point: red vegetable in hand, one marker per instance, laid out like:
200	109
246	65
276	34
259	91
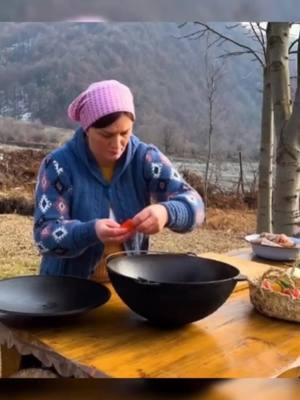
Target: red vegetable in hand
129	225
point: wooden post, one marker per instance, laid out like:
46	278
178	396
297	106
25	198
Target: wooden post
10	361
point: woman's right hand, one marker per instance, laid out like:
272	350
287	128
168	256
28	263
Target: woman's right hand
109	231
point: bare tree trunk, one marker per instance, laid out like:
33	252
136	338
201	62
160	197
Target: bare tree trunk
265	183
213	76
278	42
210	132
241	179
286	204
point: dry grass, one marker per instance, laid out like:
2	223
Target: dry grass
223	231
18	255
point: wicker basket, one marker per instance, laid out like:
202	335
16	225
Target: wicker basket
274	304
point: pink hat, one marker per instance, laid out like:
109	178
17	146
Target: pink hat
100	99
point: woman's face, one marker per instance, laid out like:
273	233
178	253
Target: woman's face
109	143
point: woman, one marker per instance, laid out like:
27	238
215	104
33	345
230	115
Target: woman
100	178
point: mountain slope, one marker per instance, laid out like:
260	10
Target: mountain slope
43	66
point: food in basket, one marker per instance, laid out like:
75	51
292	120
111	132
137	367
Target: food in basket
282	283
277	293
275	240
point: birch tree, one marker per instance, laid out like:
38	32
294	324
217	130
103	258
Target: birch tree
287	127
280	129
266	153
260	53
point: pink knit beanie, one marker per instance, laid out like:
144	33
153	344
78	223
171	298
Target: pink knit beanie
100	99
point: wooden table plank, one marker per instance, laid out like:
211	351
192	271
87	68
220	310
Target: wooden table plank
233	342
10	361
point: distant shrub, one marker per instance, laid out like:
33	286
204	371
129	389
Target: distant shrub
218	197
16	204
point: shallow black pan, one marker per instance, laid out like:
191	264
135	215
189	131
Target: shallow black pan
49	296
171	289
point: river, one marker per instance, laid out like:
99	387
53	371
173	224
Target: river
223	173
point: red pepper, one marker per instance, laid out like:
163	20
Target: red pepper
266	284
294	293
129	225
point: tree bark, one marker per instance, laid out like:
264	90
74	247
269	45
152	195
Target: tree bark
210	132
286	200
278	42
287	185
265	182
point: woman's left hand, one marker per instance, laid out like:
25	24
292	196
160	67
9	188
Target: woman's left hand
151	219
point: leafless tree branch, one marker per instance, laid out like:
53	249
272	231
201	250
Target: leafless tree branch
200	35
292	45
259	38
232	26
182	25
226	38
234	53
214	42
190	35
262	32
222	41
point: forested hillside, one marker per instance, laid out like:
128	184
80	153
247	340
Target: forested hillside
44	65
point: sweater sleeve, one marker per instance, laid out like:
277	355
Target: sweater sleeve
165	186
55	233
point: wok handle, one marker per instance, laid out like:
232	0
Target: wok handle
240	278
126	253
138	252
112	255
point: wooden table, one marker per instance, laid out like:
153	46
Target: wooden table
233	342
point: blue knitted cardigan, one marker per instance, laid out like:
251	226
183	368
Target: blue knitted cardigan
71	194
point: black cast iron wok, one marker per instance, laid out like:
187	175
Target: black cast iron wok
171	288
49	296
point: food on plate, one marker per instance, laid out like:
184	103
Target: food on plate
275	240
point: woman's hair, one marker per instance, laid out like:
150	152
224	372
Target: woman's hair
109	119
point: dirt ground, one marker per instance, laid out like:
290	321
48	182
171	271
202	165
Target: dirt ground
223	231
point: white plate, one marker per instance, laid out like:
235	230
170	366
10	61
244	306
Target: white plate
274	253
